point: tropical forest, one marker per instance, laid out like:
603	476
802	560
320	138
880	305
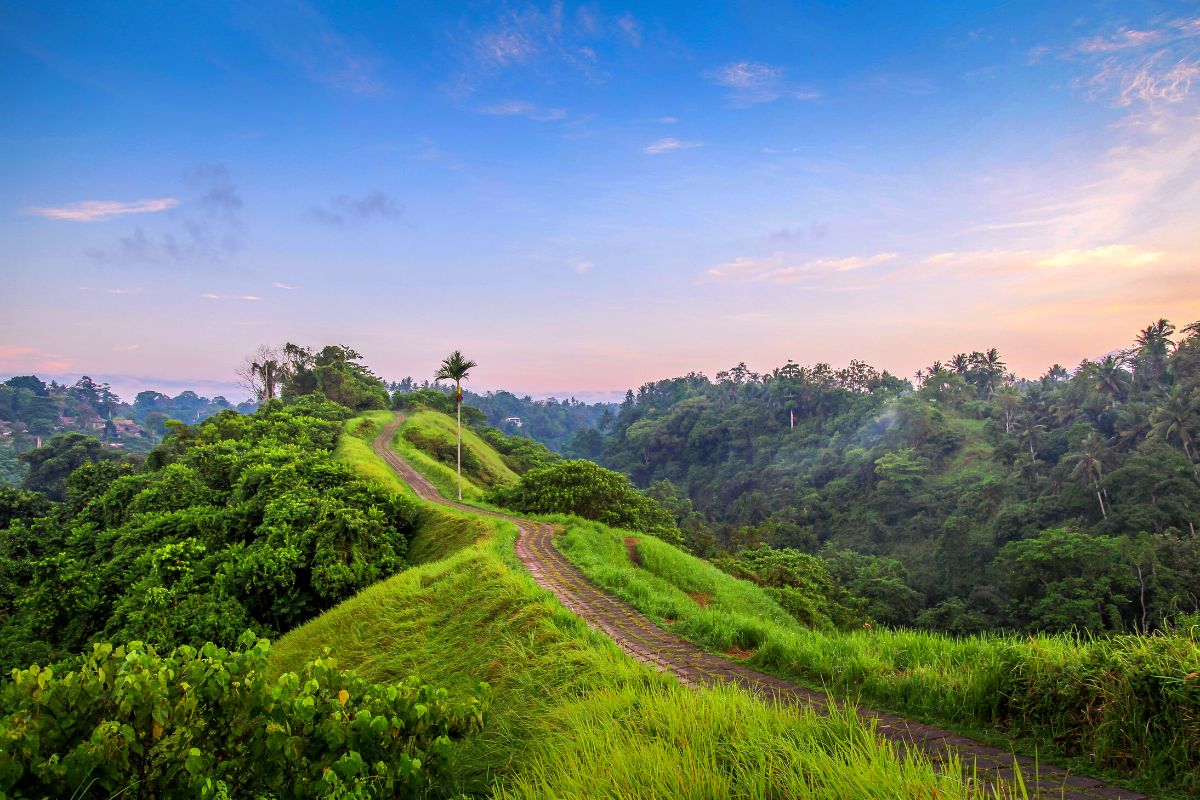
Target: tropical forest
588	400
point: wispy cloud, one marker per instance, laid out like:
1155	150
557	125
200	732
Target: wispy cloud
632	29
753	82
668	144
781	269
21	359
126	348
582	266
523	108
1156	65
302	36
97	210
282	285
123	290
244	298
206	229
345	210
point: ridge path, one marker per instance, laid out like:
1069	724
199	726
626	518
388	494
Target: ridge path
694	666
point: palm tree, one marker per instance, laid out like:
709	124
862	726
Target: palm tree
1177	418
1089	466
1154	345
1111	379
455	368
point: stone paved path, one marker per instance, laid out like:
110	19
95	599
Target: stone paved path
645	641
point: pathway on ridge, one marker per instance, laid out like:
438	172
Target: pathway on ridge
694	666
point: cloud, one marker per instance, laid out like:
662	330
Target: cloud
302	36
752	82
1158	65
815	231
123	291
20	359
1119	254
631	28
205	228
778	269
345	210
282	285
96	210
126	348
523	108
244	298
581	266
667	145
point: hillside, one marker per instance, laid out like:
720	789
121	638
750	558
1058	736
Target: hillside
568	714
969	501
995	686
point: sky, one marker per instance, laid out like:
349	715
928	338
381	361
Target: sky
586	196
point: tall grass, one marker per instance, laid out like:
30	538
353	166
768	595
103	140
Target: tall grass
567	713
1129	703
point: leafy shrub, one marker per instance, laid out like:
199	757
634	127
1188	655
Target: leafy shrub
589	491
211	723
799	582
240	522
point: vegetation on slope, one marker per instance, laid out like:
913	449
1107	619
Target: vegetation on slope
1067	502
243	522
212	723
1129	703
569	715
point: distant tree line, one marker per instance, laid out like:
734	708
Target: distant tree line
963	500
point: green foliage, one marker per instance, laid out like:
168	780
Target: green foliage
521	455
334	373
12	469
1064	580
585	489
51	464
212	723
940	475
876	587
1128	702
241	522
800	583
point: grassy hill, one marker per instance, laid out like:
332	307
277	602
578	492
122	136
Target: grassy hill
568	714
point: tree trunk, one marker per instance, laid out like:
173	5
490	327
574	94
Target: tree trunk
1100	497
458	413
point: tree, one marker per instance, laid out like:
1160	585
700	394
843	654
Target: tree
51	464
1089	466
1176	418
456	368
1154	345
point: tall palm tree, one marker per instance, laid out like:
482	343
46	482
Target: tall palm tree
455	368
1110	379
1089	466
1177	418
1154	345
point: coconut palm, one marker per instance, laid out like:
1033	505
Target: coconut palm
1154	345
1089	466
455	368
1110	379
1177	418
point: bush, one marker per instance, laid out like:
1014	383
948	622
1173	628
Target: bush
210	723
590	491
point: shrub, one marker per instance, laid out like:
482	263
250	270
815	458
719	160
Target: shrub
211	723
589	491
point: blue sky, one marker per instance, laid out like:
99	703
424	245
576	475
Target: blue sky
583	197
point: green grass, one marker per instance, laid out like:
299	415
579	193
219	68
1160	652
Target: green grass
1122	704
354	447
567	713
439	426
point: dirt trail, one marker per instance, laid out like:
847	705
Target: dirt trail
645	641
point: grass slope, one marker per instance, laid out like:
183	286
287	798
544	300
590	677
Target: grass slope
1127	704
569	715
435	426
